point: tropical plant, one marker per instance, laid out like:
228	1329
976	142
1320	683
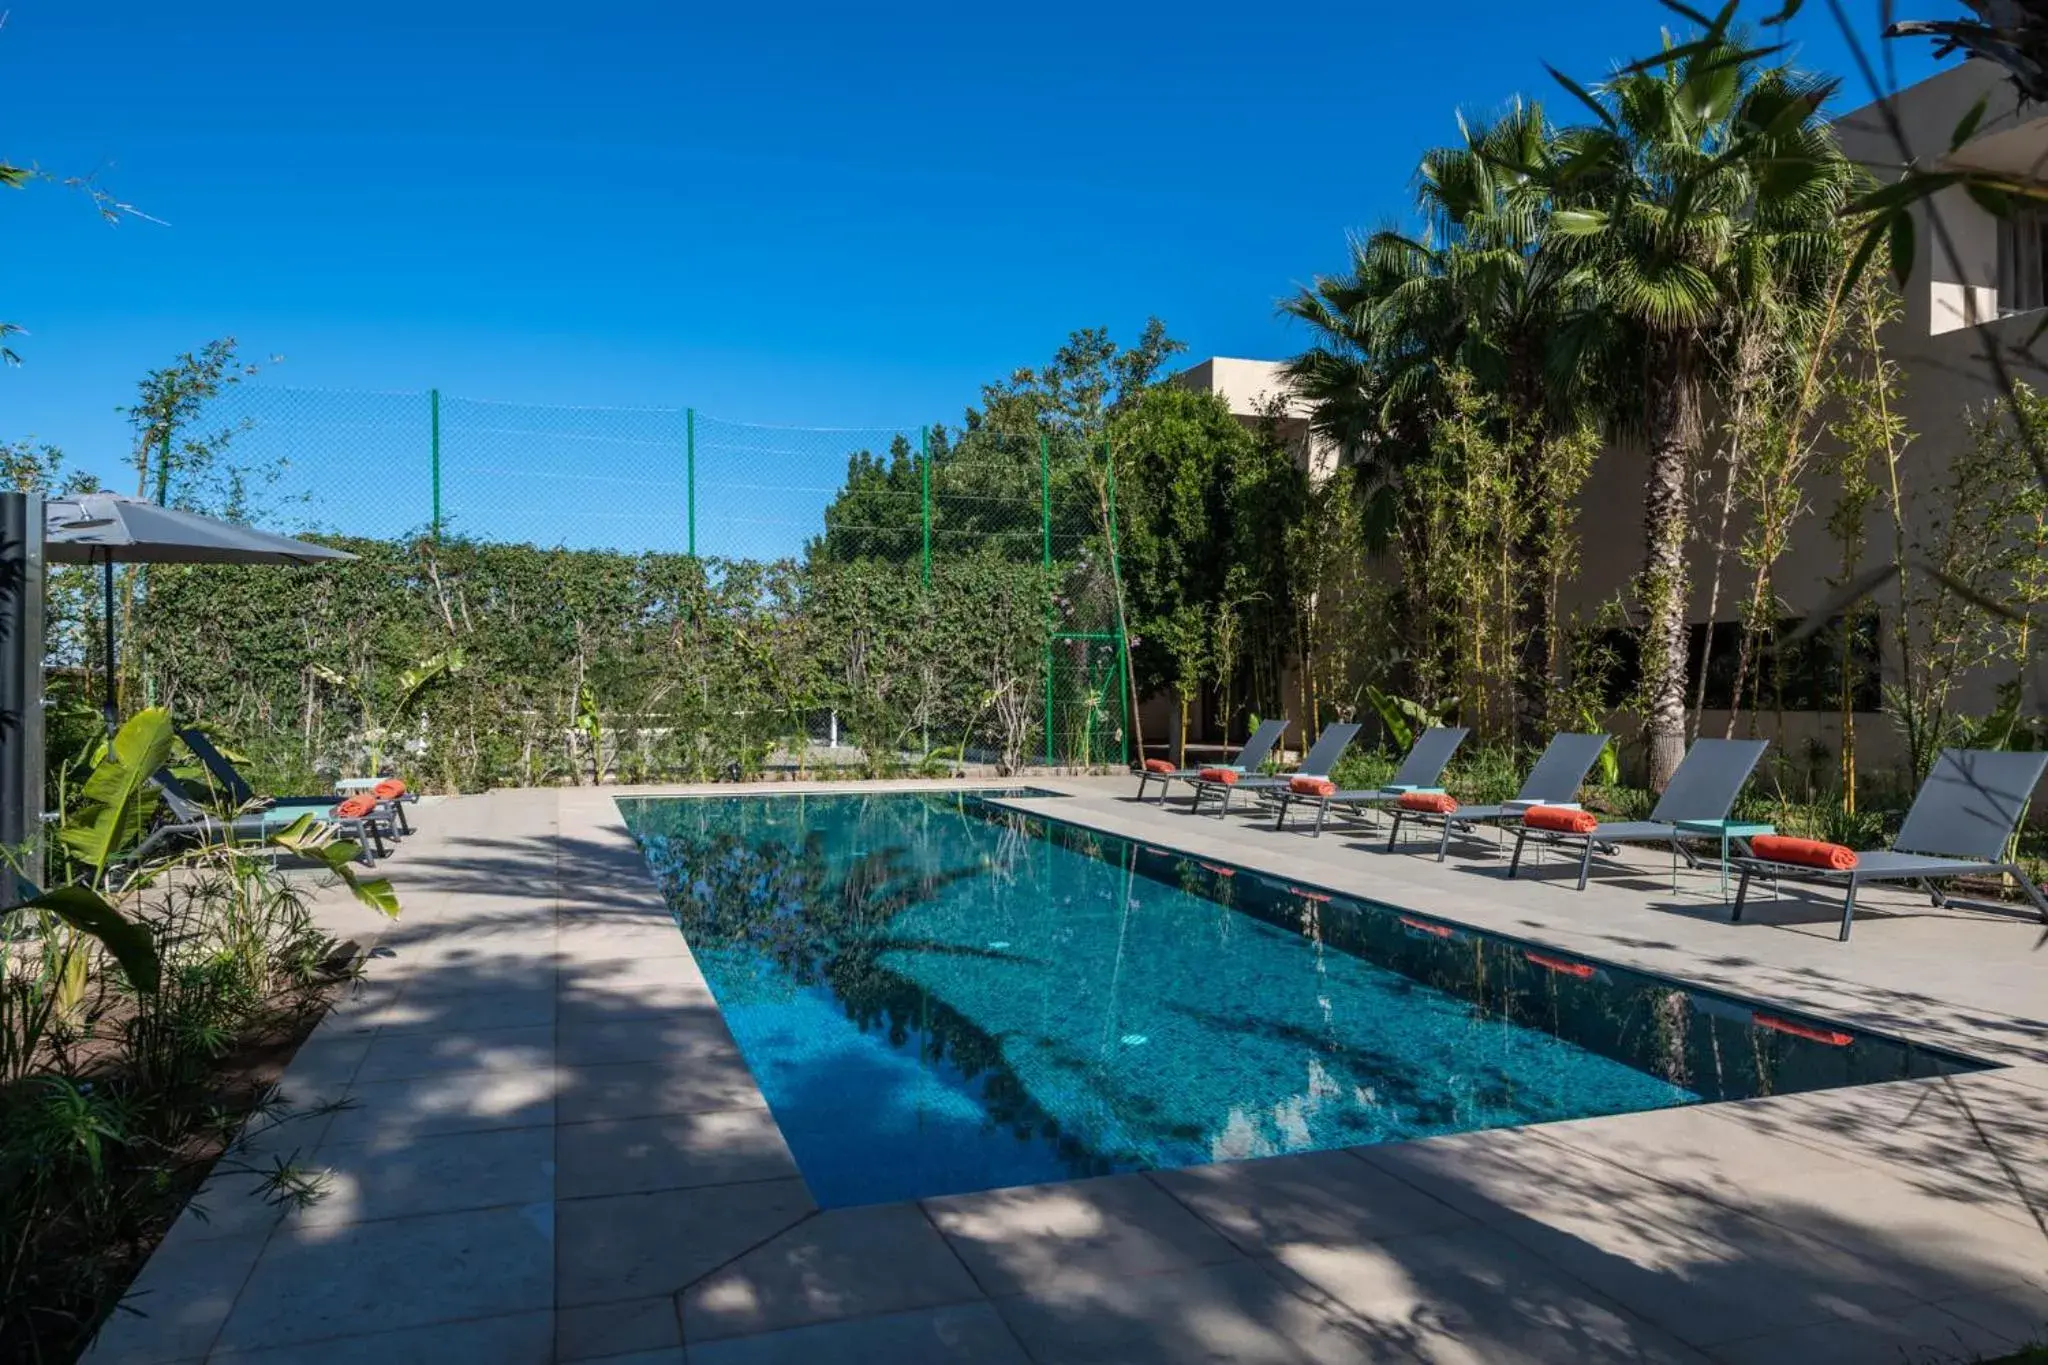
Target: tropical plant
1701	175
1477	299
1404	717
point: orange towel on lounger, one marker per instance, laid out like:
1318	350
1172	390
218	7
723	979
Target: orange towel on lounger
1227	776
1311	786
1560	819
1159	765
1781	848
1432	803
356	807
390	789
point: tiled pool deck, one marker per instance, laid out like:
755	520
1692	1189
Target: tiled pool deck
553	1152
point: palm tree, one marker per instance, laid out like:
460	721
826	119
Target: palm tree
1694	158
1479	292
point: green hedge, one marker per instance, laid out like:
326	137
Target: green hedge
470	665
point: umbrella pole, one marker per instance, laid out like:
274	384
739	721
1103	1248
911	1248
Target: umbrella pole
109	607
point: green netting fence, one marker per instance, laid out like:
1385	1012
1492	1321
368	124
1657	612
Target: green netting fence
944	510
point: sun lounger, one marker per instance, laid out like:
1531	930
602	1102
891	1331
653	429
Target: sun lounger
1703	791
1959	825
237	789
1554	781
1317	762
191	822
1249	759
1420	771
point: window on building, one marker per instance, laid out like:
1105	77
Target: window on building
2022	261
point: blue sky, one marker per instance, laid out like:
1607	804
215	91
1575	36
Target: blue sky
785	213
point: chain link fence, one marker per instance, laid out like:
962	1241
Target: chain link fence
937	501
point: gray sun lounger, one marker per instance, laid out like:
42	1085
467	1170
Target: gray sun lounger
1554	781
1958	826
191	822
1249	759
1704	788
238	790
1317	762
1426	760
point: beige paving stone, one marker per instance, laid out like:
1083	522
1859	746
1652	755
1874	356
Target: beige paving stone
1978	1140
178	1302
680	1035
315	1283
228	1204
843	1263
678	1085
506	1050
1045	1236
1950	1247
651	937
1309	1197
515	1339
424	1008
669	1152
395	1113
2017	1313
959	1334
634	985
324	1066
1237	1312
610	1329
362	1181
1922	1335
1704	1149
632	1246
1702	1270
1472	1296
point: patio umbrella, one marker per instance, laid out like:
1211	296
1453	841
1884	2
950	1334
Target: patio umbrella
107	529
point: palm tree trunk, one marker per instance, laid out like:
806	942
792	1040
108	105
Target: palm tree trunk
1673	429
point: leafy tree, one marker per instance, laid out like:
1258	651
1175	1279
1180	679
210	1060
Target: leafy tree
987	474
1174	450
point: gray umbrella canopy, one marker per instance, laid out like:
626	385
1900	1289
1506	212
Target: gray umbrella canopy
105	528
96	528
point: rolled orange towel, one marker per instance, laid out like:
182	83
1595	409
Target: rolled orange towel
1159	765
1311	786
1227	776
355	808
1561	819
1434	803
1781	848
390	789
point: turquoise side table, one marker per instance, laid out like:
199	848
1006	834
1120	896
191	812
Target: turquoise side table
1724	830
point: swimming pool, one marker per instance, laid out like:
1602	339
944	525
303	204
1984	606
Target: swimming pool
938	994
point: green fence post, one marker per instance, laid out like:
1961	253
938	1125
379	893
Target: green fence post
690	475
1045	521
434	409
924	460
1116	573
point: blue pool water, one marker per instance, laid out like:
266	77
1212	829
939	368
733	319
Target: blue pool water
939	995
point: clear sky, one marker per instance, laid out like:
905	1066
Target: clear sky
787	213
